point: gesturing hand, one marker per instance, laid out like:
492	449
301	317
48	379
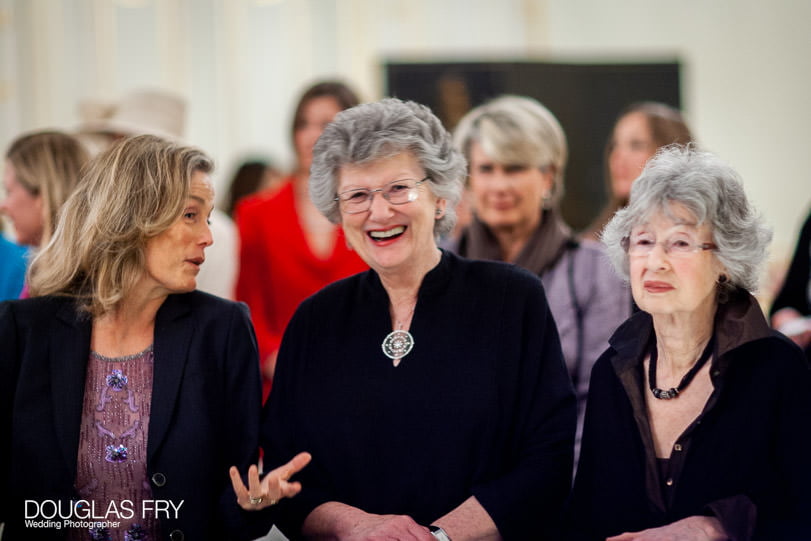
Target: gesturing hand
273	486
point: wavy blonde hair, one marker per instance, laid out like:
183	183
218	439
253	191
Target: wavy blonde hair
47	164
130	193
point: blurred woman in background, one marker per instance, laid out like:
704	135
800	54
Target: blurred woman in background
288	249
41	170
517	153
640	130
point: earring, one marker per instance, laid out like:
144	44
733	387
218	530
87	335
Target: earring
722	279
438	212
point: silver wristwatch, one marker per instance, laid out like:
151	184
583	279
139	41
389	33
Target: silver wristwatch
439	533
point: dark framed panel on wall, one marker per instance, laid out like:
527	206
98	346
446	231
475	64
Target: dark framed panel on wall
586	99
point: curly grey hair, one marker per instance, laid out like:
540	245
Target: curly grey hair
374	131
713	192
517	130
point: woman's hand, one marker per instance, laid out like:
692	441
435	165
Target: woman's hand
335	520
373	527
272	488
695	528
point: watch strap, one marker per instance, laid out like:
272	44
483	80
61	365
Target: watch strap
439	533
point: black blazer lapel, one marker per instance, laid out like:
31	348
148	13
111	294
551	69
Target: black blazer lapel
69	350
173	332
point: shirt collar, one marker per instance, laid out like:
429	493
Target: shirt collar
737	322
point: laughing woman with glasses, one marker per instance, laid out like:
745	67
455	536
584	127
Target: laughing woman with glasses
697	418
430	390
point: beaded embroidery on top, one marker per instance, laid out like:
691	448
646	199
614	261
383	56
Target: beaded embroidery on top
117	380
111	464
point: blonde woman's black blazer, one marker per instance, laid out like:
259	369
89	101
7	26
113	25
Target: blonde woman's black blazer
205	409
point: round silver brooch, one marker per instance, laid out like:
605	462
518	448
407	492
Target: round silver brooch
398	344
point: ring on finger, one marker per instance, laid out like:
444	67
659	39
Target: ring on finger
256	501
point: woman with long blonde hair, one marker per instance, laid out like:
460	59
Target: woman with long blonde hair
140	388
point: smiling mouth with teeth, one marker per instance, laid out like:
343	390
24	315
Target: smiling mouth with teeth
388	234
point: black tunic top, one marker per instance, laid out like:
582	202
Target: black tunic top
481	406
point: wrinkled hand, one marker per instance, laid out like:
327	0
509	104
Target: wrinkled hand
379	527
272	488
695	528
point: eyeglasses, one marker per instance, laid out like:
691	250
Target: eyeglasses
677	246
398	192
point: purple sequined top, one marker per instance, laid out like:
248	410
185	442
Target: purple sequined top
111	474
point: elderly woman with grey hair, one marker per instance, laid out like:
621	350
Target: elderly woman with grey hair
430	390
517	152
697	417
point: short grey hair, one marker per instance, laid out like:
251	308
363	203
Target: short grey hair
517	130
374	131
713	192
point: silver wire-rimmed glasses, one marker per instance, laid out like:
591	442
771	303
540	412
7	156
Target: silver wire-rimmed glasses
675	246
396	192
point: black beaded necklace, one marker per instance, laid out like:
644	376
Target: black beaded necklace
673	392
